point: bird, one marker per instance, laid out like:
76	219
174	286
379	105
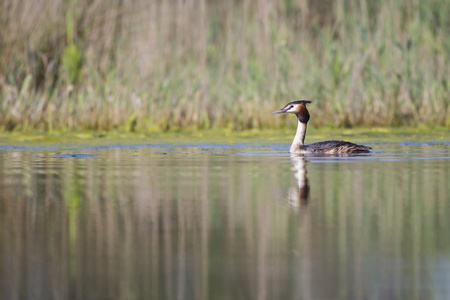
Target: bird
327	147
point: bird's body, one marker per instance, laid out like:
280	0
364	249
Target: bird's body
327	147
332	147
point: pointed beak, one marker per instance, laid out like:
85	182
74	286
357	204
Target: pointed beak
279	111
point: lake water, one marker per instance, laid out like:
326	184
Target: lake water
217	220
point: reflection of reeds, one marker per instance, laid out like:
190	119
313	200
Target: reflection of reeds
196	63
134	227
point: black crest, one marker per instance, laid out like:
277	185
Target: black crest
300	102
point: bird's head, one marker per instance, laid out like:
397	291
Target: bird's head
298	108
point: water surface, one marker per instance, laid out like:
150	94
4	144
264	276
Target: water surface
214	220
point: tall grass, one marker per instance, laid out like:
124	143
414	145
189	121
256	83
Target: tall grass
158	65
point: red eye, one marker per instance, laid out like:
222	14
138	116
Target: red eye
291	106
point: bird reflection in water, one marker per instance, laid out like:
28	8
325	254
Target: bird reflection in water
299	196
298	199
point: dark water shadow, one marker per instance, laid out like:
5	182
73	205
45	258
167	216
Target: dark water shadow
76	155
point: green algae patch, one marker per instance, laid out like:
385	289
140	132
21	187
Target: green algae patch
219	136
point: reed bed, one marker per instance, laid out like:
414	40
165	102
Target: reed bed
159	65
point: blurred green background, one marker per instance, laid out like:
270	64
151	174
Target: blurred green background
197	64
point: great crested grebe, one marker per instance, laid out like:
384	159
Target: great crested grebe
328	147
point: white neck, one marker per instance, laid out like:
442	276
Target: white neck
299	138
